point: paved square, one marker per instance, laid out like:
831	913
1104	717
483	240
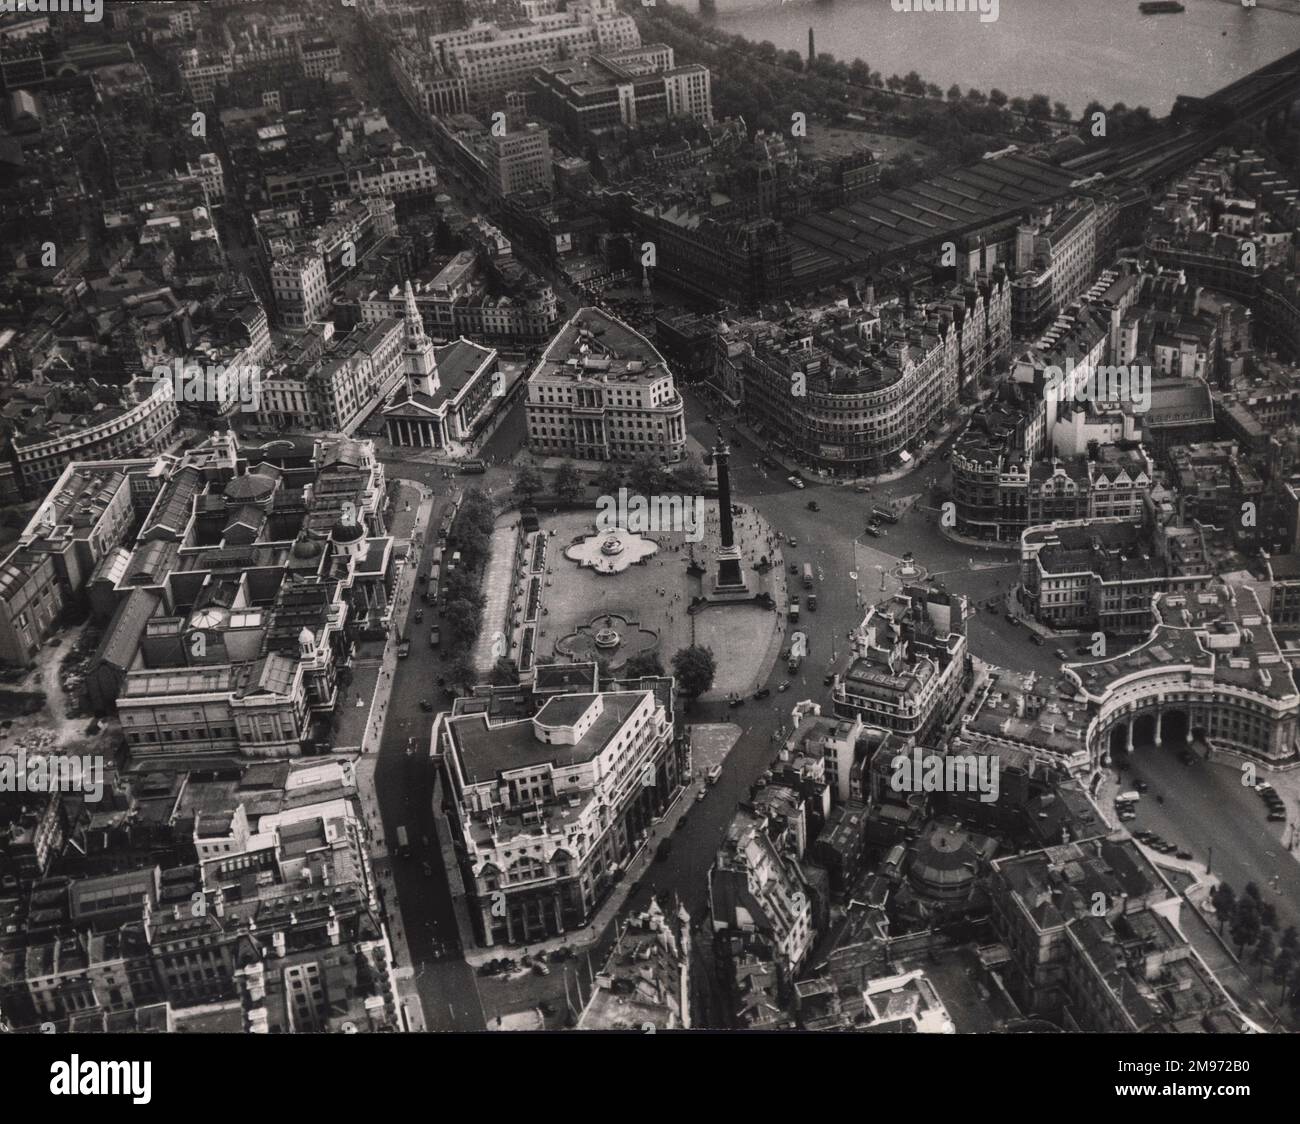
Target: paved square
746	638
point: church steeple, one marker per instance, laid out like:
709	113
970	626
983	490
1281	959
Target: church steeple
418	356
414	325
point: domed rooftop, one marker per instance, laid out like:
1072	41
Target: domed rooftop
306	548
347	532
945	857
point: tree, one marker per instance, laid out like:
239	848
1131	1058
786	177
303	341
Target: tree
647	476
997	97
859	73
954	92
933	91
1225	903
1040	106
476	511
506	672
792	60
1061	111
1019	105
976	96
1283	966
462	621
643	663
528	482
1263	951
691	477
568	484
459	585
461	673
694	668
474	548
610	478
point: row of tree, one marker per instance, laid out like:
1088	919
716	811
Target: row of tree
644	476
1252	925
959	125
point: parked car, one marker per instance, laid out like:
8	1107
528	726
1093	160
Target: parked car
828	679
1277	817
762	692
1034	638
813	505
785	685
419	615
794	481
794	567
700	796
1061	654
873	530
735	701
426	705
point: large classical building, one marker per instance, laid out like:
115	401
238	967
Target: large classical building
448	390
601	391
850	392
493	58
231	611
1102	574
146	423
1211	667
637	86
549	808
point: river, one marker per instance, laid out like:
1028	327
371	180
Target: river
1072	52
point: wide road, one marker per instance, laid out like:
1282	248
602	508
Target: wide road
404	784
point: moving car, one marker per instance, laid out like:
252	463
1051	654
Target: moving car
1061	654
794	481
735	701
1034	638
714	774
699	796
762	692
426	705
785	685
873	531
812	602
813	505
403	647
419	615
